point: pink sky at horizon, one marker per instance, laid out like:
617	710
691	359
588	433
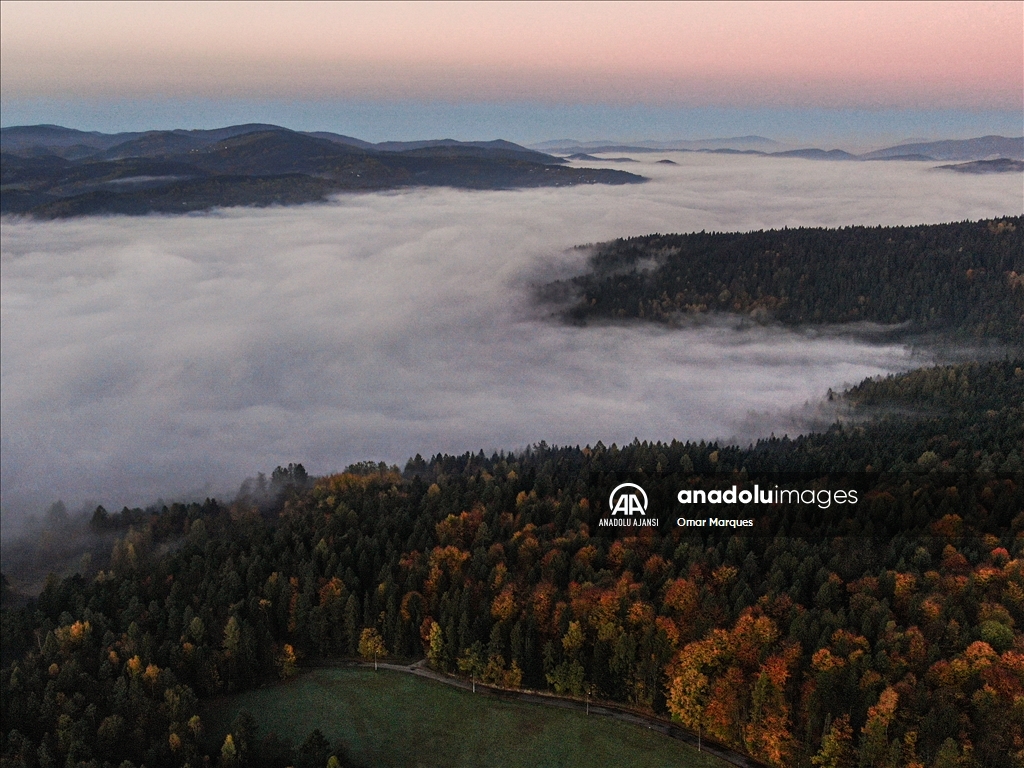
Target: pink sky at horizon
830	55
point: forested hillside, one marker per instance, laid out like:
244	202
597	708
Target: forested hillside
891	639
186	171
965	279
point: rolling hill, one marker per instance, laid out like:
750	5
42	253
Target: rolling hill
54	172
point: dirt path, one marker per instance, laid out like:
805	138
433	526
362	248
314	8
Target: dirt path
603	709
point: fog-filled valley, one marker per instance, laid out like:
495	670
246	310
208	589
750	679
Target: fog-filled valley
148	357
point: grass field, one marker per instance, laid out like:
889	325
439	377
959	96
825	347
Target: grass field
393	719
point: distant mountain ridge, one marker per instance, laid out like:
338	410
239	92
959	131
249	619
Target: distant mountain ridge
74	144
51	171
52	138
965	150
981	148
571	146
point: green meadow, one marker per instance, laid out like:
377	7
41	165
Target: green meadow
389	718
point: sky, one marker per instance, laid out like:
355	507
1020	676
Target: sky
844	72
173	356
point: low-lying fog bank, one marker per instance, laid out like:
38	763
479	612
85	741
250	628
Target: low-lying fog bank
161	356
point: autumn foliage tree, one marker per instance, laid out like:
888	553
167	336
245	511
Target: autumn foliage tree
371	645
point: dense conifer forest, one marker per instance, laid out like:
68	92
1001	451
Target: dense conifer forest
887	635
964	280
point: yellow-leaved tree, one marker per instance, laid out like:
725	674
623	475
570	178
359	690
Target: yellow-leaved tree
371	645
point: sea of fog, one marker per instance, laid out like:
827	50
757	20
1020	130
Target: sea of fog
164	357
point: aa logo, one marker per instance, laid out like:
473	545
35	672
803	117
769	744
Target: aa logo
629	499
